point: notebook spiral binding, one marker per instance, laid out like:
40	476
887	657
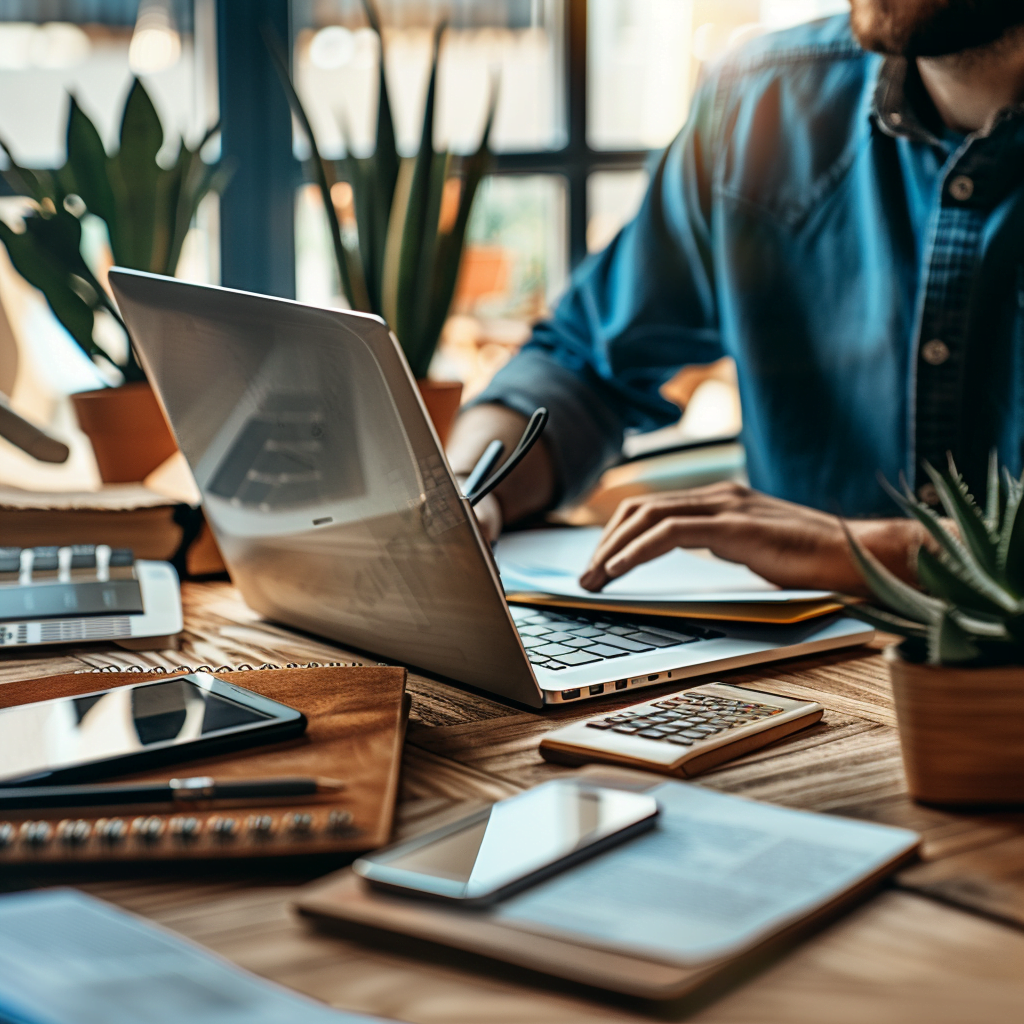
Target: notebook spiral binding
160	670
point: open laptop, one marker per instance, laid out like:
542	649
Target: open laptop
337	513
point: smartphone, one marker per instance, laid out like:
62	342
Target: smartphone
511	844
141	725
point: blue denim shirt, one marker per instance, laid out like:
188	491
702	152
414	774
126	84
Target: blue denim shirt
862	266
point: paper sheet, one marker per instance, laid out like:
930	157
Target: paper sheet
550	562
716	873
68	959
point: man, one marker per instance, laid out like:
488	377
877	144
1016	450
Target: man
844	215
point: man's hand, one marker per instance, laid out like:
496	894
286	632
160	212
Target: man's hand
789	545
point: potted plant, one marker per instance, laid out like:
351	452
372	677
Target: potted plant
146	210
411	217
958	677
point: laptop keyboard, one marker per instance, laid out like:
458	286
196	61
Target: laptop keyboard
560	640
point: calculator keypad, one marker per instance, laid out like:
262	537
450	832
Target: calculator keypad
686	718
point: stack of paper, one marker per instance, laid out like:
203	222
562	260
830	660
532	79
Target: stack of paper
542	567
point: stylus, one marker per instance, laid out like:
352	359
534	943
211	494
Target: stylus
174	791
485	465
538	421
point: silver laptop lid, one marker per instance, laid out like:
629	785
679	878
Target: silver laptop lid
322	479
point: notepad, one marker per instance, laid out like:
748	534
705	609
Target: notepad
719	878
543	567
66	958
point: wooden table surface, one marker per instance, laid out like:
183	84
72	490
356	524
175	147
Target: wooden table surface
944	942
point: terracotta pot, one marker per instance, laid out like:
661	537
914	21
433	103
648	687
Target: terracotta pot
961	731
126	426
442	399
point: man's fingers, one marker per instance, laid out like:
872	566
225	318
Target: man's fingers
666	535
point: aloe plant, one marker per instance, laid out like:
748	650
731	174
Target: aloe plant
147	210
971	608
404	263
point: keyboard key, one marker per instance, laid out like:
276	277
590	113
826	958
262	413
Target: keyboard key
628	730
620	630
536	630
551	650
683	741
579	642
707	730
604	651
44	559
653	640
587	631
532	641
599	725
576	658
558	637
692	733
626	644
651	734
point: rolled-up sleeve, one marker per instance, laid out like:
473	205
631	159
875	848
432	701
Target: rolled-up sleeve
631	317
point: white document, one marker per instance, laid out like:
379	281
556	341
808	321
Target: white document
551	561
716	874
66	958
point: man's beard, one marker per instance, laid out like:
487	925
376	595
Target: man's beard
932	28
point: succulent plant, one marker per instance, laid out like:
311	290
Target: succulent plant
404	263
970	610
147	210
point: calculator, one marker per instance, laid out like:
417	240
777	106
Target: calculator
684	733
76	592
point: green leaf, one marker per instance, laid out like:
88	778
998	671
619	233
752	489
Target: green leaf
961	508
88	165
37	185
948	644
889	589
349	270
886	621
415	230
944	580
1010	556
43	270
135	166
993	499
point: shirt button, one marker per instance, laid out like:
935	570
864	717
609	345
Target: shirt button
935	352
961	188
928	494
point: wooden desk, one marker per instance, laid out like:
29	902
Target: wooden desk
943	943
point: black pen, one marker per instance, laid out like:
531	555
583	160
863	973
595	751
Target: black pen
173	791
483	468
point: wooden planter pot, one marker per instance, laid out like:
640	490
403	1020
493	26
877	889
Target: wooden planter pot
126	426
442	399
961	731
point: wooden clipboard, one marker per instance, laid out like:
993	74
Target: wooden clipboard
357	719
344	904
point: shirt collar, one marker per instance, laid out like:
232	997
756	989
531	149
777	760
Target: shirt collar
895	108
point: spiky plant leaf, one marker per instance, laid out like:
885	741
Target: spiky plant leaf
1010	554
416	232
950	644
961	508
135	167
888	588
984	629
886	621
993	497
942	577
959	555
349	271
35	184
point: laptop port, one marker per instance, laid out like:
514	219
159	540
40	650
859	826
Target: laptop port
570	694
597	689
651	679
621	684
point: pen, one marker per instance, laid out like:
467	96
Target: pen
200	787
483	468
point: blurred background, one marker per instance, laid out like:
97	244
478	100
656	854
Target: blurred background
590	92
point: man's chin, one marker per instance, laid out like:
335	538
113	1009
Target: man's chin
931	28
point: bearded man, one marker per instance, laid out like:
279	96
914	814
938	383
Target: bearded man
843	214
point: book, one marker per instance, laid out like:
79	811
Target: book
542	567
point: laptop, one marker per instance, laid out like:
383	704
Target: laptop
336	511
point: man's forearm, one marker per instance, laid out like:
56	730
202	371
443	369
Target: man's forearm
531	487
